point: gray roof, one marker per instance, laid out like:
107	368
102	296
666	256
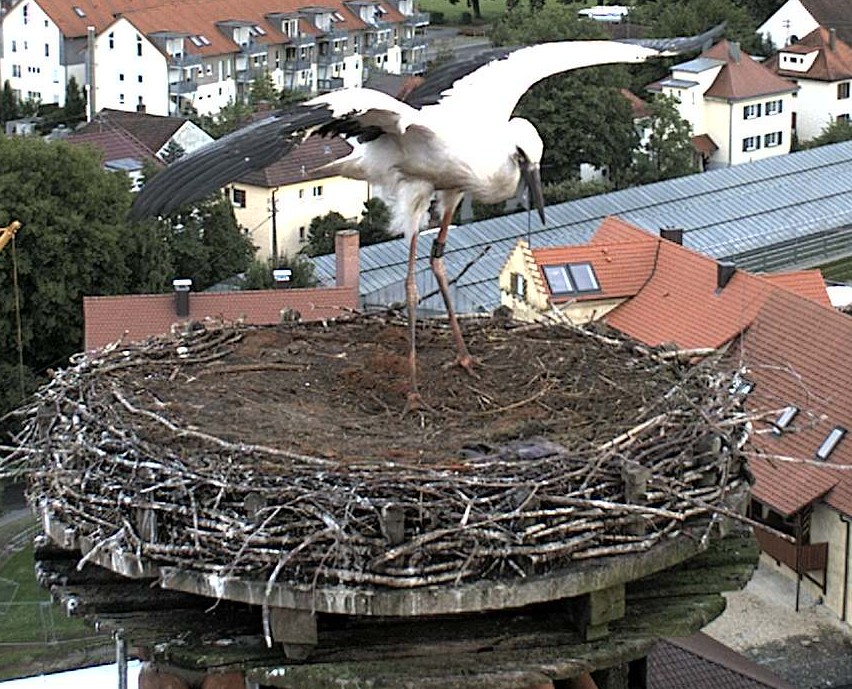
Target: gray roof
677	83
739	213
699	64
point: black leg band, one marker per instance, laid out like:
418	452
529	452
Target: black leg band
437	249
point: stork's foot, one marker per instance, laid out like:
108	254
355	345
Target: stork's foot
415	403
467	362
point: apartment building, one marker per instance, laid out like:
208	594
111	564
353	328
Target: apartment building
169	58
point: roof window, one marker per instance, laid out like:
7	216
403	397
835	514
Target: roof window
740	385
79	11
834	436
571	278
784	418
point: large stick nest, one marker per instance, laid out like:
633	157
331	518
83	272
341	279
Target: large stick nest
283	451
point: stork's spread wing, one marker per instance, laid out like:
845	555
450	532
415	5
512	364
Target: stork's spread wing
355	113
494	81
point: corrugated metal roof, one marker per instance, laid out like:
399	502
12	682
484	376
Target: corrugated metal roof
724	213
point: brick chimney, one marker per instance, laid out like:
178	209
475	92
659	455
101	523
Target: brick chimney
348	259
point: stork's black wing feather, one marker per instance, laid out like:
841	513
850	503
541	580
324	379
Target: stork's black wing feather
680	45
429	91
210	168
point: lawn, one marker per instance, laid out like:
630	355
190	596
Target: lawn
491	9
35	635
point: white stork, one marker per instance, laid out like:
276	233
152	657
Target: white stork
452	134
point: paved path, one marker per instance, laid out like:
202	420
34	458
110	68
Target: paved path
811	649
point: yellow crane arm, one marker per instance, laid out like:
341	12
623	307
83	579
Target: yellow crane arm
7	233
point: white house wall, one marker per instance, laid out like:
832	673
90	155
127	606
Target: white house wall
32	48
817	106
297	205
129	71
790	20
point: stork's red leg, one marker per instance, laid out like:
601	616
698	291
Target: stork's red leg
464	358
414	400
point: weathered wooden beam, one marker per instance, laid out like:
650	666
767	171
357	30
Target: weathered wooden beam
295	630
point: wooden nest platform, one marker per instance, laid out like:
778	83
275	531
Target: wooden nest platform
552	515
281	454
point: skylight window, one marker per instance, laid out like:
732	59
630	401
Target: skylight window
79	11
196	41
835	436
740	385
258	30
336	17
572	278
784	419
204	40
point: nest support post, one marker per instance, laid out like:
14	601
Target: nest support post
295	630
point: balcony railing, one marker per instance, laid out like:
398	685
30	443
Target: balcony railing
812	557
417	19
413	68
374	49
331	57
330	84
179	88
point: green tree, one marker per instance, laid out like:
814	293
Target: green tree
75	104
263	89
259	273
690	17
668	151
174	151
834	133
581	116
321	233
229	118
9	109
206	243
375	221
74	242
554	22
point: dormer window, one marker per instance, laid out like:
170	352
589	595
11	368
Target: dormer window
290	27
835	436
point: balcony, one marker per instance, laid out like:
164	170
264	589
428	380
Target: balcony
415	68
300	41
184	60
417	42
376	48
417	19
181	88
331	57
331	84
811	557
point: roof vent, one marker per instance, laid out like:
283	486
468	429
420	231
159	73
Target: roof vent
672	234
182	286
724	272
832	39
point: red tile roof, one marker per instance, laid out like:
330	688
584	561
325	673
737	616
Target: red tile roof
301	164
796	348
807	283
136	317
637	105
195	17
700	662
798	353
621	268
831	64
703	143
831	13
114	144
742	77
153	131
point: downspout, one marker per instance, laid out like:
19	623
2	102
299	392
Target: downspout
845	605
90	71
730	133
798	559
